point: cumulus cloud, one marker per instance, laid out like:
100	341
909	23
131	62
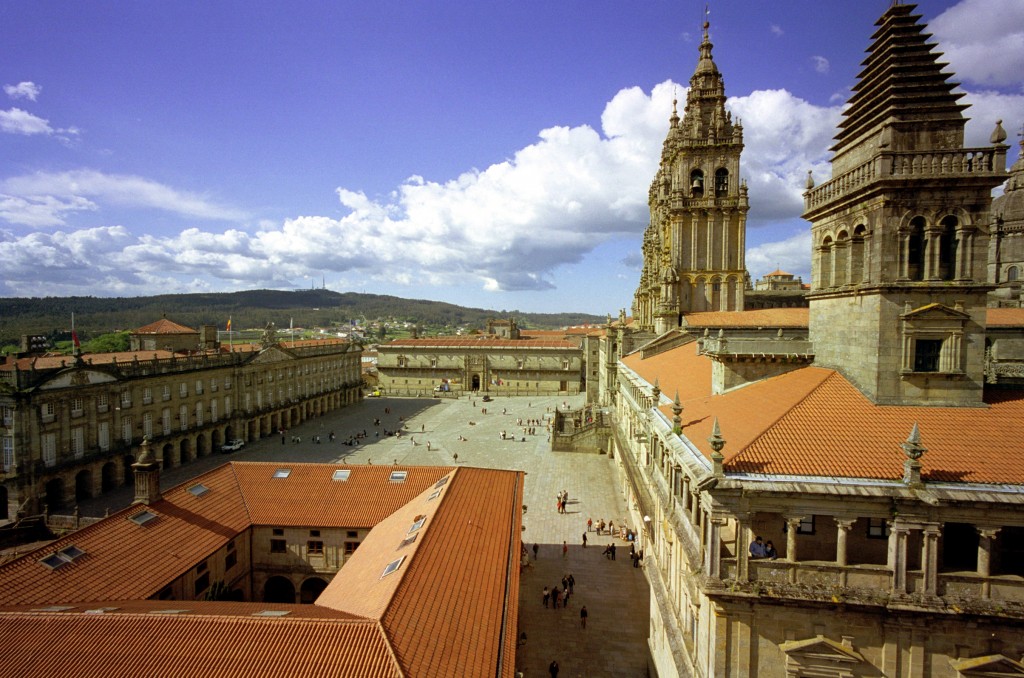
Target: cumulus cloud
90	185
983	40
509	226
791	254
17	121
776	30
23	90
821	64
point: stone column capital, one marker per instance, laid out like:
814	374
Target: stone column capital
987	532
844	524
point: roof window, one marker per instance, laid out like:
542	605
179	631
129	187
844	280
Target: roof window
342	474
54	608
167	611
399	476
271	613
434	495
441	483
282	473
199	489
62	557
418	524
408	540
142	518
392	566
99	610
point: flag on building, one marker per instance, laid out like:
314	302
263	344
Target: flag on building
229	324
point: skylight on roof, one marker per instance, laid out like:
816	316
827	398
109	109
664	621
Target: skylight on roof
399	476
342	474
434	495
282	473
167	611
441	483
99	610
54	608
199	489
62	557
408	540
271	613
392	566
142	518
418	524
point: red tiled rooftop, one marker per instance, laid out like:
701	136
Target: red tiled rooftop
1004	317
165	326
477	341
812	421
764	317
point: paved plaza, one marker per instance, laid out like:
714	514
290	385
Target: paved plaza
615	593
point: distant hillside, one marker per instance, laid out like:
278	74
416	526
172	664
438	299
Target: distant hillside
51	316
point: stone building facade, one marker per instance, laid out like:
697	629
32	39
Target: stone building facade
481	364
877	448
694	248
68	424
1006	243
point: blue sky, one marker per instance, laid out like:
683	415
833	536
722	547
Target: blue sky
486	154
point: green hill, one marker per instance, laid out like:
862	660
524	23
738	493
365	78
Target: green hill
51	316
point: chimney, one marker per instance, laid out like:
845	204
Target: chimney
147	475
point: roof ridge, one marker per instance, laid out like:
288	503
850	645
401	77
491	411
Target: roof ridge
768	427
245	499
390	647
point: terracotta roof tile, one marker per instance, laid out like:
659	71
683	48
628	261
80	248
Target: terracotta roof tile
812	421
1004	317
765	317
165	326
479	341
188	645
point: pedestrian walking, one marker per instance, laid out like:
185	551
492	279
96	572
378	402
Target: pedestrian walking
535	549
553	669
584	540
547	595
590	524
555	597
583	617
565	550
572	582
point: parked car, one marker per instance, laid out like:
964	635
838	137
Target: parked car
373	394
486	399
233	445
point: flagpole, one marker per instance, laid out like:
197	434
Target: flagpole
231	344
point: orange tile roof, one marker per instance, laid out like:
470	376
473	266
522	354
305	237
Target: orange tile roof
764	317
165	326
812	421
182	646
1004	317
477	341
363	624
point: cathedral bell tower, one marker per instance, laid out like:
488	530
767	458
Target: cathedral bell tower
694	246
900	233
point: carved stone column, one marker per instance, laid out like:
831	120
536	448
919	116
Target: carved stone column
985	537
792	524
713	546
930	558
898	557
842	530
744	535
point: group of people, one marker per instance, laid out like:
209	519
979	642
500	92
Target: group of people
762	549
559	597
561	500
601	525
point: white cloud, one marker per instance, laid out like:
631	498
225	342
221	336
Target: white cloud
983	41
821	64
792	255
17	121
776	30
123	190
23	90
40	211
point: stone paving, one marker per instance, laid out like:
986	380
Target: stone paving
615	593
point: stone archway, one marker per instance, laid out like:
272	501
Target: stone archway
108	477
279	590
83	485
476	382
184	452
54	490
311	590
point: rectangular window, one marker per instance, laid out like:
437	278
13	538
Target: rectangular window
213	410
278	546
147	395
202	583
877	528
315	547
183	417
183	390
126	429
213	384
78	442
101	402
278	532
165	418
314	533
926	355
126	398
227	383
147	424
231	560
48	411
350	547
49	449
199	414
8	454
103	435
8	415
167	392
806	526
199	387
77	407
565	364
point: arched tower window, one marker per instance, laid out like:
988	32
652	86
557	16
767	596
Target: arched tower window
840	258
721	182
825	263
915	249
857	272
1012	274
697	184
948	243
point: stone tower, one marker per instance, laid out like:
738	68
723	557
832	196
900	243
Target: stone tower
694	246
900	233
